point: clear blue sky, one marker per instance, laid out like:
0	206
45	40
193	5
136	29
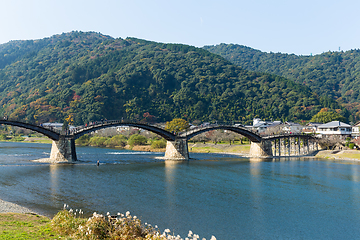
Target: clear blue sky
288	26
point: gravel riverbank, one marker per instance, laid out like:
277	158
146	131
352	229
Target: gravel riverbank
6	207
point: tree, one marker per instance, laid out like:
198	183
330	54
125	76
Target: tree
327	116
137	139
177	125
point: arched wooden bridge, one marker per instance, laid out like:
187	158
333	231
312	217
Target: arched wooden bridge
63	148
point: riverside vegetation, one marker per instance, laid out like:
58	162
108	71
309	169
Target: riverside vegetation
120	141
70	224
73	225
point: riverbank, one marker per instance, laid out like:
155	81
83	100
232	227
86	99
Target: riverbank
351	155
8	207
238	149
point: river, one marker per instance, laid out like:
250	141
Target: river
214	194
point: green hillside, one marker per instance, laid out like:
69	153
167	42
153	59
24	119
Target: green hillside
334	74
88	76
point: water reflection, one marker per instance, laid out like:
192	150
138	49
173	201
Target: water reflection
170	181
54	181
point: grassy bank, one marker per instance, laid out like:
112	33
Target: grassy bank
341	155
25	226
219	148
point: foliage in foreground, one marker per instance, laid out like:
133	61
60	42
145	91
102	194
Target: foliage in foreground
120	227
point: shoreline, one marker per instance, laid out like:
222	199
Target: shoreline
9	207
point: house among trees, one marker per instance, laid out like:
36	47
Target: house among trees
264	127
290	127
334	128
311	127
355	130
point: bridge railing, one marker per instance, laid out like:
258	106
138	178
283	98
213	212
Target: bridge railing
104	123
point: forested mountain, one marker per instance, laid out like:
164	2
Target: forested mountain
86	77
334	74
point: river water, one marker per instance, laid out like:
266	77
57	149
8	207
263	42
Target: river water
226	196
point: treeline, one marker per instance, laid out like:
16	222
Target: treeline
120	141
332	74
84	77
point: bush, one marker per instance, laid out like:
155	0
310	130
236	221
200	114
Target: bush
116	141
83	140
119	227
158	144
18	139
66	223
351	145
137	139
3	137
97	141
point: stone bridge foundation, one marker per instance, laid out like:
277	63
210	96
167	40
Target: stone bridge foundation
262	149
63	150
177	150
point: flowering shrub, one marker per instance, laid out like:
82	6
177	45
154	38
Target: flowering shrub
119	227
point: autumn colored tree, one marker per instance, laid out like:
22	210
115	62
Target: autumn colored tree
177	125
327	116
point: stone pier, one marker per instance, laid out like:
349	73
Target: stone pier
63	151
177	150
262	149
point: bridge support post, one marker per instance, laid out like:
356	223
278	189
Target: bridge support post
261	149
177	150
63	150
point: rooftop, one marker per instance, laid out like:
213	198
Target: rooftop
334	124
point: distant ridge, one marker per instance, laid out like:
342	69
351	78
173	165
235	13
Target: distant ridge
87	76
334	74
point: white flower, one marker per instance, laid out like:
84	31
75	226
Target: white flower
118	214
213	238
156	226
134	217
108	213
64	205
167	230
127	213
190	233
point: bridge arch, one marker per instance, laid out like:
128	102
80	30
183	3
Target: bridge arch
47	132
159	131
253	137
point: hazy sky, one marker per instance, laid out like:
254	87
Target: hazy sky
288	26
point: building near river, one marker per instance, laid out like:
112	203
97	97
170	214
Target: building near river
355	130
334	128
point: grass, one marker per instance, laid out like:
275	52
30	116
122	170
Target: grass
220	148
25	226
346	154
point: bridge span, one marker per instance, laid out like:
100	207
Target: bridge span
64	150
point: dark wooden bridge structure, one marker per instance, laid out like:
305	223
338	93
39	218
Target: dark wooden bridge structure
64	150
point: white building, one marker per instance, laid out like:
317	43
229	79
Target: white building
290	127
311	127
334	128
355	130
261	126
